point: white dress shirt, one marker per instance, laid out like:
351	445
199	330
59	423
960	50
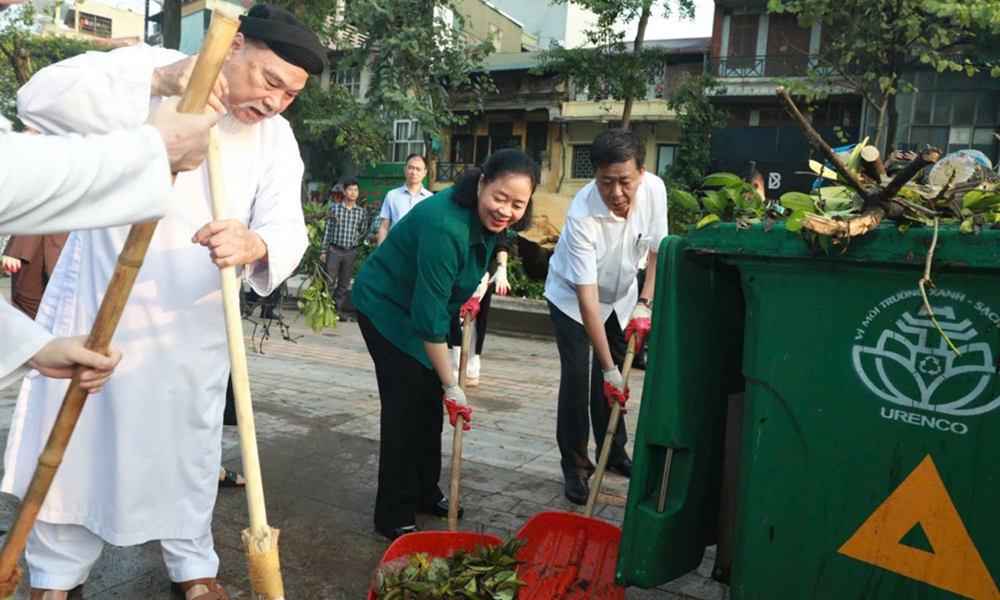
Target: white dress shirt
597	247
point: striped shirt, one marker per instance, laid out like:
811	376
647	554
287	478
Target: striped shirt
345	227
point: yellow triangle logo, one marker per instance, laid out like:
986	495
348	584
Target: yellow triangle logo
955	565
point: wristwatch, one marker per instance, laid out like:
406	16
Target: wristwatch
644	301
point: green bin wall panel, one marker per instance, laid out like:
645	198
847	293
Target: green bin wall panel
870	461
694	364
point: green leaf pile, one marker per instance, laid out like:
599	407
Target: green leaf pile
488	573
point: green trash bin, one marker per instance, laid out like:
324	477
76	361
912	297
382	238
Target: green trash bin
868	462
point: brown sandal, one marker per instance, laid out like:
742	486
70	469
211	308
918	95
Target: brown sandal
215	590
73	594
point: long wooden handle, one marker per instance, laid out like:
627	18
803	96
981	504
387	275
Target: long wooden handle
237	351
456	446
616	411
206	71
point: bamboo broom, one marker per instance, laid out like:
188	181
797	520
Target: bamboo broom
206	70
456	446
609	437
260	541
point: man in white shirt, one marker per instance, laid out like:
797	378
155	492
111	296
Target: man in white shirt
401	200
58	183
592	293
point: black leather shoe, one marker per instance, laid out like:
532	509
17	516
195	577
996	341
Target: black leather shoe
439	509
623	468
577	490
393	533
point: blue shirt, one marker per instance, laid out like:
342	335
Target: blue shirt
400	201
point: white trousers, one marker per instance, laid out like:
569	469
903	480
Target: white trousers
472	369
60	557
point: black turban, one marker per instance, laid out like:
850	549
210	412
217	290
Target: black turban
285	35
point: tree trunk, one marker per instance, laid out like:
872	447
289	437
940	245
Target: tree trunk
647	7
431	159
879	123
172	24
893	118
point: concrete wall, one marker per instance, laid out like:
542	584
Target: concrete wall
479	16
584	132
563	23
124	23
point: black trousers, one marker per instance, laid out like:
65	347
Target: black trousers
412	417
455	335
339	268
572	431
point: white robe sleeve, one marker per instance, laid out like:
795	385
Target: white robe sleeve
96	92
22	338
277	218
53	184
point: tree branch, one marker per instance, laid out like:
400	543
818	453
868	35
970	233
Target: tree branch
822	146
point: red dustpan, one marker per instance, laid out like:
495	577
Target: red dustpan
436	544
570	556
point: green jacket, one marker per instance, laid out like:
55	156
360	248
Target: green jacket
430	264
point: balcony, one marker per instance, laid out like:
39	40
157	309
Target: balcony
762	66
448	172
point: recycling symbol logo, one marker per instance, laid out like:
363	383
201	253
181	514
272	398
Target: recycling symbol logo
910	364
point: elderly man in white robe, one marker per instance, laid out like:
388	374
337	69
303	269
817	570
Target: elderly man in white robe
53	184
143	462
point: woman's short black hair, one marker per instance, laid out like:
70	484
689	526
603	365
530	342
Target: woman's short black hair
504	162
617	145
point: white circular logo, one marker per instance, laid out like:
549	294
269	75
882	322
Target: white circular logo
903	359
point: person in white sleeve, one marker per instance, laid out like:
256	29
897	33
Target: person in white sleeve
148	447
54	184
594	299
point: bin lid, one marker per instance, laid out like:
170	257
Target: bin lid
885	244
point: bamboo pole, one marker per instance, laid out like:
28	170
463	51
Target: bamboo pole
260	541
616	411
456	446
199	88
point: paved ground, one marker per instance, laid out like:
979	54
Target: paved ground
316	407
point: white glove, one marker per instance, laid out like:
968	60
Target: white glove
456	403
614	388
500	279
484	284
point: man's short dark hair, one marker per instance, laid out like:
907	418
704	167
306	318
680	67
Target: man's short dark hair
416	155
349	182
617	145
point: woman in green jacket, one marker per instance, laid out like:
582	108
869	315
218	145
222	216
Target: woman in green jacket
406	293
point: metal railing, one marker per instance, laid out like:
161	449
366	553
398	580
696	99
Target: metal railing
448	172
766	66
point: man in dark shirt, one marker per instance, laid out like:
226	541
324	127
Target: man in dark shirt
345	229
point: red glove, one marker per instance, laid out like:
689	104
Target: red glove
613	388
472	306
639	324
454	400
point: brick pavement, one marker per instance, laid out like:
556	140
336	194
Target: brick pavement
316	407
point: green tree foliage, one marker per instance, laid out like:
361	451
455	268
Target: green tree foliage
867	44
24	51
336	131
608	68
415	58
697	116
